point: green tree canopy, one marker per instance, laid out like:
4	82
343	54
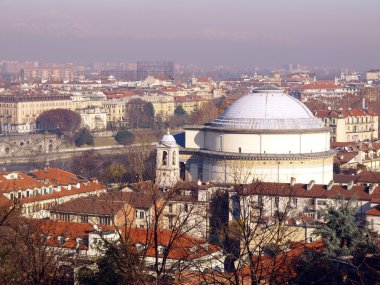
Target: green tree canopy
342	233
83	137
179	111
124	137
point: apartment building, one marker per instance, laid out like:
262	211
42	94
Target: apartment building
130	208
35	194
351	125
18	114
303	201
116	112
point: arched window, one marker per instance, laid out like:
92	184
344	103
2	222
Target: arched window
174	158
164	158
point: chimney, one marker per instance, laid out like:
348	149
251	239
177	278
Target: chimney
330	185
350	185
372	188
310	185
293	181
363	103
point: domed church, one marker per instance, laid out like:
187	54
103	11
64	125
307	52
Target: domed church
266	135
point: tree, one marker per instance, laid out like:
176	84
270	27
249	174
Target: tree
140	114
89	164
114	173
342	233
350	254
124	137
119	265
141	159
83	137
179	111
59	120
30	259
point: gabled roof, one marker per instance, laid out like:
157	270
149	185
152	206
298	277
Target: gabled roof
56	176
182	246
20	182
373	212
107	204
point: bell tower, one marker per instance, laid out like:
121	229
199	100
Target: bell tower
167	163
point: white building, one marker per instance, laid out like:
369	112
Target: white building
266	135
93	118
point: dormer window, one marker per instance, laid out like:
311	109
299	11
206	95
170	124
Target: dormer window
160	249
61	240
140	247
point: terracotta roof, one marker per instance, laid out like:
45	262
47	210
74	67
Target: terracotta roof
281	265
21	181
55	176
368	177
183	246
316	191
84	188
107	204
344	113
373	212
319	85
344	157
344	178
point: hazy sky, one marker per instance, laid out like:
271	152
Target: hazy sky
335	33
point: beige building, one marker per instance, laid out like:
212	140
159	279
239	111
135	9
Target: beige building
116	112
19	113
373	74
351	125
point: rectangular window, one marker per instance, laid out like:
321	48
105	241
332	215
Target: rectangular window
170	208
105	221
84	219
260	200
276	201
142	215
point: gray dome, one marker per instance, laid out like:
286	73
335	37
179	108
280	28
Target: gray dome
267	109
168	140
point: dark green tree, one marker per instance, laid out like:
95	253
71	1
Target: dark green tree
179	111
349	256
83	137
342	233
120	265
124	137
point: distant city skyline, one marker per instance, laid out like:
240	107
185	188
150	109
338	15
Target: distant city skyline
243	33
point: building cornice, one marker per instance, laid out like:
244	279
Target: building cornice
253	131
259	156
